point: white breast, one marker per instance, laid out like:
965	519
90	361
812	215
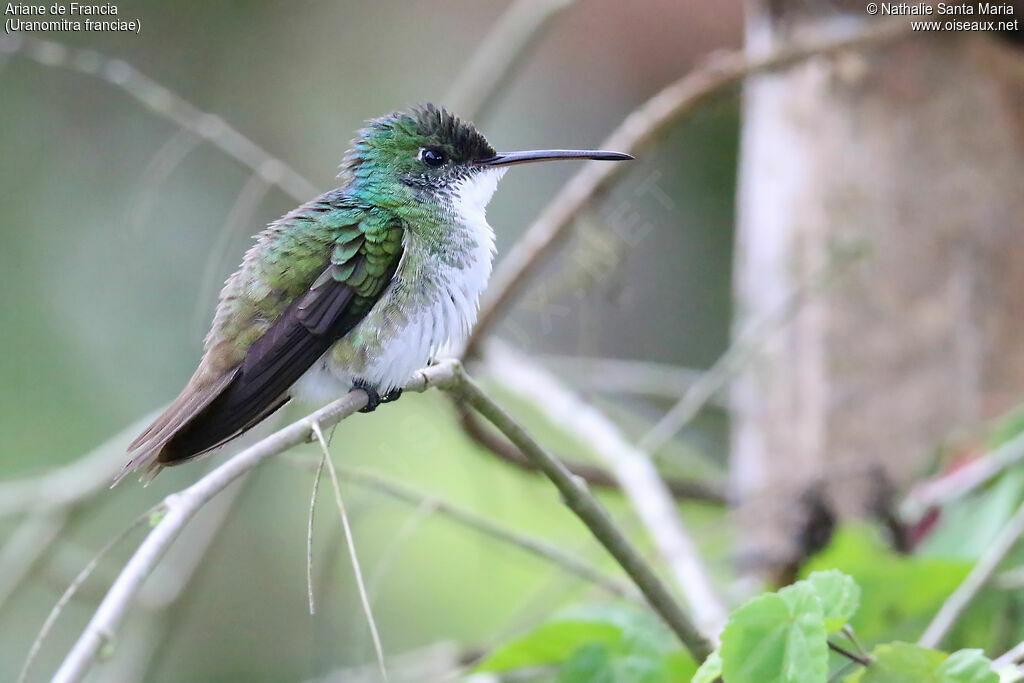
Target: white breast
440	325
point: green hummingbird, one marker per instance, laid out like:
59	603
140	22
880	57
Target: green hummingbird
359	287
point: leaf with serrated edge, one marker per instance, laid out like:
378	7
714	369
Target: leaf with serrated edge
777	638
839	594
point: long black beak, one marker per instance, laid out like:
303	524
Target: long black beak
509	158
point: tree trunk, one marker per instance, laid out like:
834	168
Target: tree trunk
909	156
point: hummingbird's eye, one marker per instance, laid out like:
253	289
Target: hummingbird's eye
433	157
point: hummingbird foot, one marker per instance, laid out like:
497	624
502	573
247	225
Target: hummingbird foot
391	396
373	397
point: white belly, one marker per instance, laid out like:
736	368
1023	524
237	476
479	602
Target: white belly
444	320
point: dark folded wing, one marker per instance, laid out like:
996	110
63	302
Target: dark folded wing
217	406
336	302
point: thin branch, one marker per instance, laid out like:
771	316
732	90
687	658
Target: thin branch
979	575
181	507
1011	657
408	530
70	591
530	544
742	349
165	103
26	546
68	485
964	479
500	52
238	218
633	468
591	513
439	663
634	377
169	581
161	165
642	127
309	536
594	475
853	657
351	542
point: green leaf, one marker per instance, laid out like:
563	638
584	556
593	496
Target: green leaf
904	592
839	595
601	663
710	669
969	525
639	629
1006	427
907	663
777	637
607	643
967	666
902	663
550	643
590	663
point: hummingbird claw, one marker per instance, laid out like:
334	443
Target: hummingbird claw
373	397
391	396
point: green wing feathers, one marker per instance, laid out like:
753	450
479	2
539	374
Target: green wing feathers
309	279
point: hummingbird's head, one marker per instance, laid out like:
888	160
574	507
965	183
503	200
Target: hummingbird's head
428	155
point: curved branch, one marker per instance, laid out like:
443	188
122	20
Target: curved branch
501	50
632	467
590	512
594	475
181	507
977	578
644	125
165	103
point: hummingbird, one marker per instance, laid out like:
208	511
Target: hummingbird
357	288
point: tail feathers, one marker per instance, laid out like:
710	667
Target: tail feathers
148	446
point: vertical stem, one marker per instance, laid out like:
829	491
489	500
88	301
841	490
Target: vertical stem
590	512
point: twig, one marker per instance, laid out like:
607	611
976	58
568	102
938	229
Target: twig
350	540
1009	658
239	217
633	468
408	530
964	480
853	657
721	372
73	483
438	663
165	103
181	507
161	165
590	512
594	475
636	132
979	575
501	50
26	547
456	513
309	536
70	591
169	581
851	635
635	377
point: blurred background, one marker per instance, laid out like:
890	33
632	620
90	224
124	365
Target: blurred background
895	175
